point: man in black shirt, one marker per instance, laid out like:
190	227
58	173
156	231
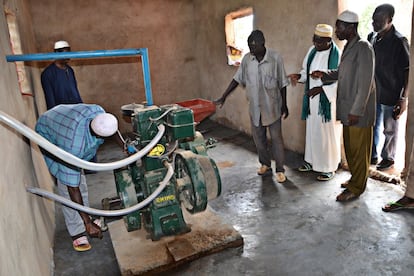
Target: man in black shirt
391	78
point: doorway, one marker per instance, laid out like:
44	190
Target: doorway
402	22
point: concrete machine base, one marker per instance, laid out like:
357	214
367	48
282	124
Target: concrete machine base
136	254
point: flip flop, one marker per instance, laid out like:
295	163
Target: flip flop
306	167
101	223
346	195
343	185
395	206
81	244
325	176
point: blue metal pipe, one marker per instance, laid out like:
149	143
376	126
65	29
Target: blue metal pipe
95	54
147	81
80	54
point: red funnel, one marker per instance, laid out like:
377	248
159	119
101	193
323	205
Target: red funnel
201	108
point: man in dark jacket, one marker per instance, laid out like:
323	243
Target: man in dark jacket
391	77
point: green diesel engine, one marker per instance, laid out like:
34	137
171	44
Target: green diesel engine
196	178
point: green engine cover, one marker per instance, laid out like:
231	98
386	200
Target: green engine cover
142	124
179	121
127	193
196	179
146	127
164	216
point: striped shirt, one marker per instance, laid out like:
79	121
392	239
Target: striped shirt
67	126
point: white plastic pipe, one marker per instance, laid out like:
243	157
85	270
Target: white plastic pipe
107	213
70	158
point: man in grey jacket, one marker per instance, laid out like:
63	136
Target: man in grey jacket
355	102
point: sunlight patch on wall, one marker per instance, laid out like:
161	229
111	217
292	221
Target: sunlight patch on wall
15	44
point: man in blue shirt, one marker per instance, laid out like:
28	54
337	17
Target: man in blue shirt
59	82
78	129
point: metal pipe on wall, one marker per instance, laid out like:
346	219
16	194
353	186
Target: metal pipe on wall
143	52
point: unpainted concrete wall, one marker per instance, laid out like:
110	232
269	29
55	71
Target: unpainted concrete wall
164	27
409	134
186	44
27	221
288	28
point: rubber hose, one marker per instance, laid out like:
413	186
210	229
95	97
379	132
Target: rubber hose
107	213
71	159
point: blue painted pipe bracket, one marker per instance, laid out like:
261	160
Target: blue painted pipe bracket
143	52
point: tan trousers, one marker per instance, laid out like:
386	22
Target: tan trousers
358	146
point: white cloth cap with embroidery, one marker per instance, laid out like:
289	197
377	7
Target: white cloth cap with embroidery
323	30
61	44
348	16
104	124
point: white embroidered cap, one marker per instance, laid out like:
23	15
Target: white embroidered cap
104	124
348	16
61	44
323	30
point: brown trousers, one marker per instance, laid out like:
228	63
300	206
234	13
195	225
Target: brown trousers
358	147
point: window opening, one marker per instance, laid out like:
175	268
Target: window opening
238	26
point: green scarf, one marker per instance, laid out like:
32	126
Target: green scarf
324	104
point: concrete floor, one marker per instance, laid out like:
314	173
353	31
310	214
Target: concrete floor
295	228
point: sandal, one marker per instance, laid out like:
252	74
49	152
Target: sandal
81	244
306	167
402	204
346	195
264	170
101	223
325	176
344	185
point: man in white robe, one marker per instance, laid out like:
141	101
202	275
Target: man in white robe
323	131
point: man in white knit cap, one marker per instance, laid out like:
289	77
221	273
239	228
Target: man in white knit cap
78	129
58	80
323	131
355	102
